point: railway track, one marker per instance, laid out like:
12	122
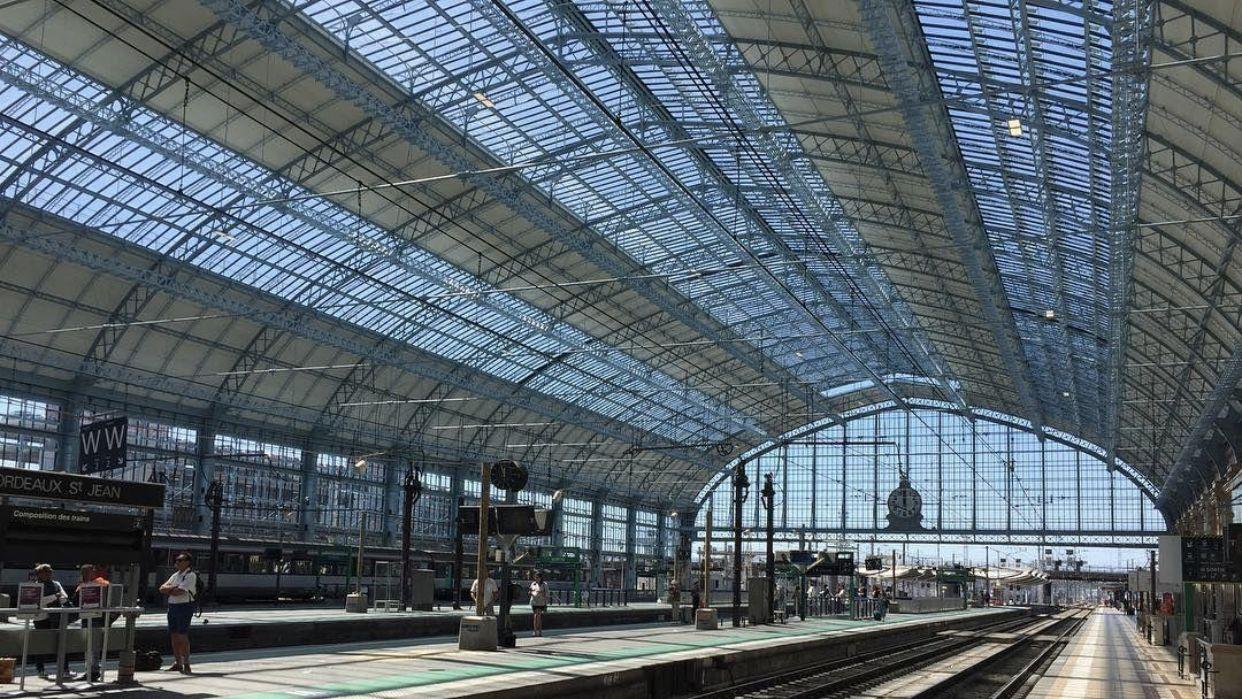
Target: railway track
845	677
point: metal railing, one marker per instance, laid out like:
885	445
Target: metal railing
106	616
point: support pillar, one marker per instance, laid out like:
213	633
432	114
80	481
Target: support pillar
392	501
68	436
740	484
204	475
597	543
308	515
630	580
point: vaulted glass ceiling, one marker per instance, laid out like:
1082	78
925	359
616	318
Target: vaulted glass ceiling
1030	100
71	147
549	86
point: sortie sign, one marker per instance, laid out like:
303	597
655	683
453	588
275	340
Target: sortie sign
50	485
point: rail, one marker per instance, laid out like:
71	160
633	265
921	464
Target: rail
859	666
1011	687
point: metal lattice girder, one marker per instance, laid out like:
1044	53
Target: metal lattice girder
813	63
813	201
318	327
1182	31
1179	488
415	124
892	26
1192	186
1131	36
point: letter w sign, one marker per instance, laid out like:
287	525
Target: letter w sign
103	445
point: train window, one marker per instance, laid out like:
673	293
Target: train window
255	564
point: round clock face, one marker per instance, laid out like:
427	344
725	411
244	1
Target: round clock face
905	502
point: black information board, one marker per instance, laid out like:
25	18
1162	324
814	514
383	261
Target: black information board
67	537
103	445
1203	560
52	485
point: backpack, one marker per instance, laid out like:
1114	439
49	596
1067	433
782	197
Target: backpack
147	660
199	586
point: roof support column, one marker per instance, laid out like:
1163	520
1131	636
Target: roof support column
630	580
308	508
204	474
597	543
68	436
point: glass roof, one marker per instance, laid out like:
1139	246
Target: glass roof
134	174
1035	141
673	210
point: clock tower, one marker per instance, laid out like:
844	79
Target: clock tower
905	507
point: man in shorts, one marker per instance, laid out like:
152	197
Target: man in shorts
181	588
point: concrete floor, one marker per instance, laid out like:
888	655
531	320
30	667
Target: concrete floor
435	668
1108	659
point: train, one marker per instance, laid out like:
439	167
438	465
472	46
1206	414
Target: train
258	571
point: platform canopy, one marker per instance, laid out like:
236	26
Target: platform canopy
624	242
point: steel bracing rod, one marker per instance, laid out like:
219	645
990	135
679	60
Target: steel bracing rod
312	325
810	197
1131	37
416	125
892	27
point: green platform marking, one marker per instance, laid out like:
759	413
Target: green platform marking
506	663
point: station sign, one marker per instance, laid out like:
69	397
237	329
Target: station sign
103	445
52	485
1204	560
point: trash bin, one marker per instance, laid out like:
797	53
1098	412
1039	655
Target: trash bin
6	670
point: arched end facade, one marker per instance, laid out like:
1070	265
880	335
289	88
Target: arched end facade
969	481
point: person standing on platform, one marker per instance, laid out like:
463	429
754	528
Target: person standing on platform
490	589
53	595
181	588
674	600
538	602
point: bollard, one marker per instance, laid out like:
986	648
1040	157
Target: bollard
125	667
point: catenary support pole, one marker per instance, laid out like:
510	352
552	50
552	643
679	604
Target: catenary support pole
740	483
769	504
484	510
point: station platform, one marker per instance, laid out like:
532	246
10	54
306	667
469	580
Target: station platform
281	626
644	660
1108	658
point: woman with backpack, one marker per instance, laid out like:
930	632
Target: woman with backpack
181	588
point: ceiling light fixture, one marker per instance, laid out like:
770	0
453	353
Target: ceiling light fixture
1015	127
484	100
1065	394
1050	314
